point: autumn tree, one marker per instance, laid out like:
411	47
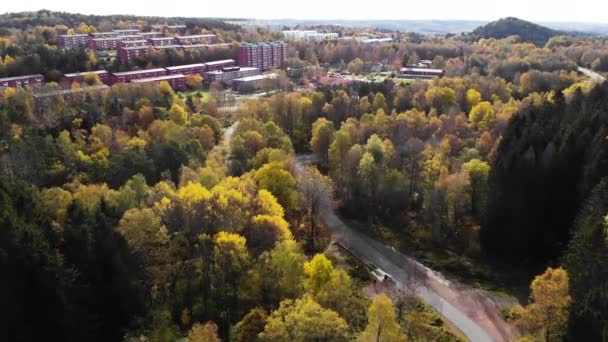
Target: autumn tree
265	231
322	137
355	66
274	178
178	114
379	102
231	261
203	333
304	320
382	324
546	317
282	272
316	192
482	116
473	98
250	326
91	79
337	154
194	81
318	271
478	172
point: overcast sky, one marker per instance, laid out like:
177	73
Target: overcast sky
534	10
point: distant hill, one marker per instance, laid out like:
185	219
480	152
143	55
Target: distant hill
529	32
24	20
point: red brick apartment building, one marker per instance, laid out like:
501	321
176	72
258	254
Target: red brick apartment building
96	35
128	76
130	32
22	81
78	77
103	43
127	55
45	100
132	43
263	56
188	69
219	65
130	38
72	41
147	35
196	39
176	81
162	41
228	74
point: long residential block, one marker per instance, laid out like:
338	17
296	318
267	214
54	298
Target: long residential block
22	81
229	74
128	76
176	81
188	69
78	77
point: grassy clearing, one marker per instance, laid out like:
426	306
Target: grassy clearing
184	95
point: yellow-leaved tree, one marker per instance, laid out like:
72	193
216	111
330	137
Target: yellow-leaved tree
546	317
382	324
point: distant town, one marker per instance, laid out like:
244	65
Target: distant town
242	74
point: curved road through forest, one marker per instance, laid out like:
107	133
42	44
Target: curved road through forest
472	311
594	76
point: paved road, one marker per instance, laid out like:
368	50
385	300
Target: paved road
472	311
229	131
594	76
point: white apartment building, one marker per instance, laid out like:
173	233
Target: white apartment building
309	35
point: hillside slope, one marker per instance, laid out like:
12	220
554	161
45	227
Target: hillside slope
528	31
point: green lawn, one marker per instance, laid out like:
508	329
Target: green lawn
186	94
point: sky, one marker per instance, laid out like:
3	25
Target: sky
595	11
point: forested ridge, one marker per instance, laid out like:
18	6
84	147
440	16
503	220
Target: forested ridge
527	31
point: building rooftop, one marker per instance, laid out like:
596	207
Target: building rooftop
76	74
74	35
223	61
196	36
160	47
169	26
105	39
125	31
433	71
255	78
204	45
137	47
137	72
130	36
161	38
102	33
159	78
187	66
262	44
15	78
133	41
239	69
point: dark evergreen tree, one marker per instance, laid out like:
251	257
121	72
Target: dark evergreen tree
587	263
